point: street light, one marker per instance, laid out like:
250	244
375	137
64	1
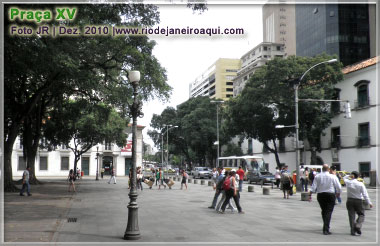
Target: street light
167	142
297	124
132	232
97	162
217	129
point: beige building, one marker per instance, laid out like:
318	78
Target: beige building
279	26
254	59
217	81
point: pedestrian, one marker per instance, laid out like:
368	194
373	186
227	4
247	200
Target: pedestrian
25	182
240	173
226	175
157	175
161	179
218	187
102	172
71	179
113	176
286	182
312	174
302	177
277	176
327	188
214	177
231	188
306	179
356	195
139	177
184	178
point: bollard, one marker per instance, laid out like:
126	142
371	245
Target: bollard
366	206
202	182
195	181
304	196
266	190
189	180
250	188
209	183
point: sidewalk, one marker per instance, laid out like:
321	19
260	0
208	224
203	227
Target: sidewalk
175	216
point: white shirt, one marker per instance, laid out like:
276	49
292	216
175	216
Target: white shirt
326	182
356	189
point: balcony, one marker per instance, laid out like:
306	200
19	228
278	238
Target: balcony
335	144
363	142
363	103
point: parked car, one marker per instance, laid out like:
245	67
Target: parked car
262	177
201	172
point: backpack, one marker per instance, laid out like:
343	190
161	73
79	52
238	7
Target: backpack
227	183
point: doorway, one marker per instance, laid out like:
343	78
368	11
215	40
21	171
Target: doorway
107	164
85	165
128	165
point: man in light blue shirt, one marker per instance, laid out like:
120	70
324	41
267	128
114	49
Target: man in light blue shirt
25	182
327	187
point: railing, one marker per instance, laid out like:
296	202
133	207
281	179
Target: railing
335	144
362	103
363	141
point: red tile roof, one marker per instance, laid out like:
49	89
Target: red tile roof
360	65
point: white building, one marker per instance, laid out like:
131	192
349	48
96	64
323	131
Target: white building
254	59
58	163
350	144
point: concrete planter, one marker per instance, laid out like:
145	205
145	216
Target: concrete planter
195	181
189	180
266	190
202	182
304	196
251	188
209	183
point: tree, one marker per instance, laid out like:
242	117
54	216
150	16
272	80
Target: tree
41	71
80	125
196	133
267	101
232	150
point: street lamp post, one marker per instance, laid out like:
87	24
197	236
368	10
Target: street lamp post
132	232
167	142
217	130
97	162
298	185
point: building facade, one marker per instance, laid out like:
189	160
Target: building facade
216	81
345	30
57	163
279	26
350	144
254	59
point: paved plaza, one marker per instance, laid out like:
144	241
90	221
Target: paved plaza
172	216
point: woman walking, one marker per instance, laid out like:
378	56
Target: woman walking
184	178
71	179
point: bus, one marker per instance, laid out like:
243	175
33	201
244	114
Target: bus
249	163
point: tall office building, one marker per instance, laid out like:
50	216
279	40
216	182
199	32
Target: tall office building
279	26
346	30
216	81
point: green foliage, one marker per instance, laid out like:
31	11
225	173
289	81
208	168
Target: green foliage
268	100
232	150
196	133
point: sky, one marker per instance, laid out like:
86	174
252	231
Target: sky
186	57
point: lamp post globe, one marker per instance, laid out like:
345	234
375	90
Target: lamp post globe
132	231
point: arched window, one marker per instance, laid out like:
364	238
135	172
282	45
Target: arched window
362	90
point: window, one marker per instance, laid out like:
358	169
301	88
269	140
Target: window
230	89
21	164
332	13
250	146
265	48
230	71
364	168
230	83
362	96
335	106
278	48
335	137
43	163
107	146
363	138
64	163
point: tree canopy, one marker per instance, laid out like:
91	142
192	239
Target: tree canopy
268	100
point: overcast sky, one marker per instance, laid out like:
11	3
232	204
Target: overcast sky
187	57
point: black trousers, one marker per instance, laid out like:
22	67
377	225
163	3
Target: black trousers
229	195
326	202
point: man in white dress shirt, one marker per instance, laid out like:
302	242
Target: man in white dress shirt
327	188
356	194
